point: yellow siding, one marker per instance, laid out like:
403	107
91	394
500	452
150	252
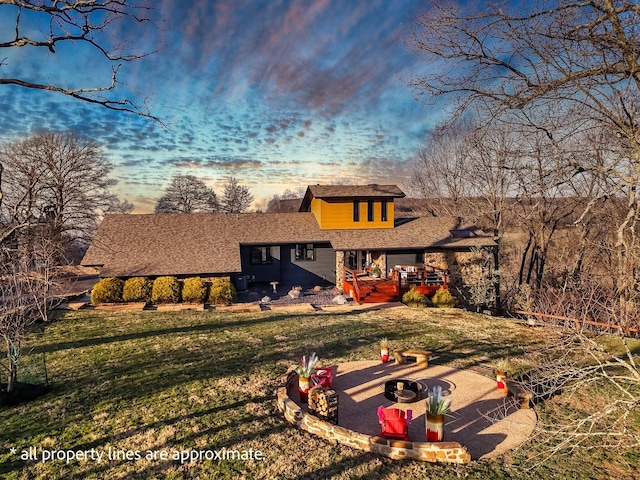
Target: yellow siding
338	214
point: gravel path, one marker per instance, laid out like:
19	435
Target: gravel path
258	291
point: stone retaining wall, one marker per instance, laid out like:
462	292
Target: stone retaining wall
444	452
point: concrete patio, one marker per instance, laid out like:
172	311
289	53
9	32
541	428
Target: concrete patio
481	419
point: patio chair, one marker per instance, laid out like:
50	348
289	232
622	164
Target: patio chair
394	422
322	377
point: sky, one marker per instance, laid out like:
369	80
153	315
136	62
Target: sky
279	94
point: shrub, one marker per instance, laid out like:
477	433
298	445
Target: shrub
194	289
413	298
165	290
137	289
107	290
444	299
222	291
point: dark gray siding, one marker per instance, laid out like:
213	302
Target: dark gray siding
308	272
284	267
263	273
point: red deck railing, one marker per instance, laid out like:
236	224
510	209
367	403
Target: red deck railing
351	285
426	280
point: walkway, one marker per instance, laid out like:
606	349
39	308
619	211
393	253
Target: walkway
481	418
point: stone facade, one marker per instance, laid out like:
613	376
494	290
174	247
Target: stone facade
340	270
442	452
439	260
465	269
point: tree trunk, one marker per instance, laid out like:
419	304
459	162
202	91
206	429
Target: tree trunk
12	376
523	261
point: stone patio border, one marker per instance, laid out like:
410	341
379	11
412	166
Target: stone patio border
442	452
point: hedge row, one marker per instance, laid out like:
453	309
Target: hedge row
164	290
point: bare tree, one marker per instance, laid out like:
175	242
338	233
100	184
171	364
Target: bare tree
276	203
544	203
468	170
577	57
91	23
187	194
46	190
236	198
120	206
599	378
491	173
558	67
55	188
440	176
55	179
26	277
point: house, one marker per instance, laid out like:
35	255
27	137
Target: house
338	235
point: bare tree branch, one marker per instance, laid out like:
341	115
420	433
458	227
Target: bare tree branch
89	22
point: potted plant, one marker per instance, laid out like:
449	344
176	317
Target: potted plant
376	272
436	408
503	366
384	350
304	371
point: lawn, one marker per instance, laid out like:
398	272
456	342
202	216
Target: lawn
166	383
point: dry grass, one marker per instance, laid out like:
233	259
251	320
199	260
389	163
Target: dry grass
205	380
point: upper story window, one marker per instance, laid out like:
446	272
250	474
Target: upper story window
356	210
384	215
260	255
305	251
370	211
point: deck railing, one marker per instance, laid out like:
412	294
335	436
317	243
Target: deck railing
352	277
420	277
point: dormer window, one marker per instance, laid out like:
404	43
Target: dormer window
384	213
370	211
356	210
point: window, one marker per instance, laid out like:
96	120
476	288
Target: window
384	215
305	251
260	255
370	211
356	210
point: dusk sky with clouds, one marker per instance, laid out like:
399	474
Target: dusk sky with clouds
279	94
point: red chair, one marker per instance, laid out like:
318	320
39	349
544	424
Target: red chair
322	377
394	422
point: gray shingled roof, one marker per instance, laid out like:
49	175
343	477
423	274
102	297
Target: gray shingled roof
342	191
201	243
349	191
422	232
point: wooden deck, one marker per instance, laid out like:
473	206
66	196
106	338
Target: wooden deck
365	289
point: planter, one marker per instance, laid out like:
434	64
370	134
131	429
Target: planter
303	388
384	355
435	427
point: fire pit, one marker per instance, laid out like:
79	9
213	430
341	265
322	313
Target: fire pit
402	390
